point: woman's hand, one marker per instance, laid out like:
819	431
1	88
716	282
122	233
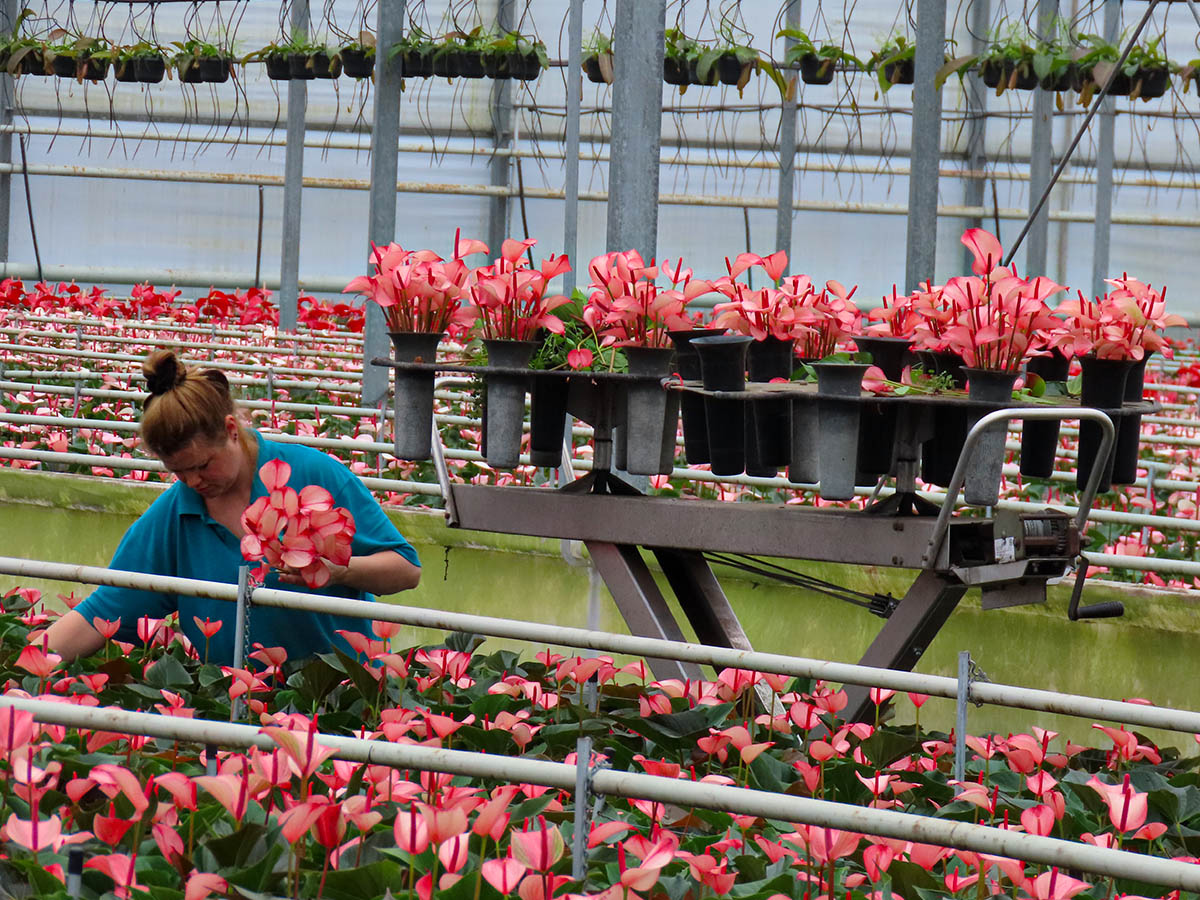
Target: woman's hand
382	573
293	577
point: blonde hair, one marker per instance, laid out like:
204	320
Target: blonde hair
184	404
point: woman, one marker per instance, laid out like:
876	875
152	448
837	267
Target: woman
194	529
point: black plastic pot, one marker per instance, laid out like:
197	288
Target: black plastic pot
447	64
997	72
470	64
206	70
33	63
769	425
675	70
1154	83
325	66
691	406
939	454
150	69
981	485
357	63
64	66
1039	439
900	72
299	68
651	413
723	368
413	395
278	66
817	70
1066	80
125	71
1103	388
838	414
504	426
729	69
518	66
415	64
591	68
547	420
1129	427
76	66
877	425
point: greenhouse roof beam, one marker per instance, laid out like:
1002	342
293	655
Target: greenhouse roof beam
920	256
293	184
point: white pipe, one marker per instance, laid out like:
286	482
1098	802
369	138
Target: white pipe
262	334
205	363
88	375
718	657
778	807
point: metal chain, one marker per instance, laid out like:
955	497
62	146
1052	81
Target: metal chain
974	674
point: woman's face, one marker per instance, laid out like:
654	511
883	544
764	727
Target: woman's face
210	468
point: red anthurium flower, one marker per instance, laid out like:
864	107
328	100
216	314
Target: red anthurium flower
412	831
538	848
1127	808
111	828
201	884
36	661
1053	885
503	874
1038	819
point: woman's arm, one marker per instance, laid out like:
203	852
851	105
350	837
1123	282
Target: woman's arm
383	573
72	636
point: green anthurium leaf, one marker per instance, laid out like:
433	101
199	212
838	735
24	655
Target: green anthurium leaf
168	673
494	740
315	681
236	850
887	745
465	888
761	887
770	773
490	704
907	877
367	686
360	882
268	874
1035	384
689	724
532	807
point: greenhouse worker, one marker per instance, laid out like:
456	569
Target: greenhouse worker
194	529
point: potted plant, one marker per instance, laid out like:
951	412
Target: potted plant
423	297
514	55
1146	72
893	63
629	310
511	304
1111	336
774	317
416	51
141	62
460	54
200	62
598	58
887	342
818	64
729	62
80	58
308	59
681	57
358	57
23	53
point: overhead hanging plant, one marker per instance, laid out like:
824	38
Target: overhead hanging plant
200	61
81	58
598	58
818	62
892	63
141	62
514	55
1146	72
358	56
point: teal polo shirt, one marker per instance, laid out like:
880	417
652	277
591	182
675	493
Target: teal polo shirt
176	536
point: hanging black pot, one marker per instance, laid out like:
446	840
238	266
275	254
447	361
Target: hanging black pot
984	469
413	397
729	69
691	406
150	69
839	385
1039	439
769	425
504	426
547	419
675	70
1129	427
591	68
1153	83
416	64
1103	388
447	64
326	66
125	71
357	63
900	72
877	424
723	368
817	70
939	454
299	68
996	72
471	64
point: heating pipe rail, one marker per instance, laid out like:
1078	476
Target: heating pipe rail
1067	855
263	334
642	647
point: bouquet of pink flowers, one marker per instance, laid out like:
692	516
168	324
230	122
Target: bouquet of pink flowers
1123	324
509	296
627	308
417	289
300	530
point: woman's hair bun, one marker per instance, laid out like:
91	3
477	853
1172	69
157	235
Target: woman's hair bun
163	371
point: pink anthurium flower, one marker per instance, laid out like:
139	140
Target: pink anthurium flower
504	874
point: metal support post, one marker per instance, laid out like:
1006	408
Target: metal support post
976	96
75	855
293	185
502	163
8	15
921	255
960	714
571	183
385	148
1102	233
636	127
241	624
1041	150
210	759
579	842
787	147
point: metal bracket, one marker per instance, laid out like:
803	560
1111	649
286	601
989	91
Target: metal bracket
443	475
1005	415
585	772
975	674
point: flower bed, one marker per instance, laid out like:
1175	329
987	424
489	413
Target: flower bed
293	821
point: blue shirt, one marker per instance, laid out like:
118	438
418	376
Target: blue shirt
176	536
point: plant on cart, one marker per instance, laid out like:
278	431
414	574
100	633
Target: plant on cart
510	298
1126	323
625	305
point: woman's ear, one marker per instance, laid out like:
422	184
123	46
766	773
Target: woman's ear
232	429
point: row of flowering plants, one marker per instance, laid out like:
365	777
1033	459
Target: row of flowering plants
294	821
